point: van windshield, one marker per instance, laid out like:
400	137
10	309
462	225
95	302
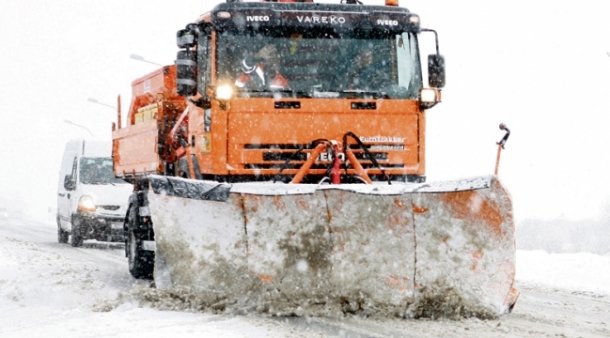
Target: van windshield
97	170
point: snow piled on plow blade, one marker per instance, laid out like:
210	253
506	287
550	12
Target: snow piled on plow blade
408	250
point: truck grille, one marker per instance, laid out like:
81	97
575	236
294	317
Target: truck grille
292	156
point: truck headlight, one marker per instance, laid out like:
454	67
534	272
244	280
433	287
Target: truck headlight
224	92
86	204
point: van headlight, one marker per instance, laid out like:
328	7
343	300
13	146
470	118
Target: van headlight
86	204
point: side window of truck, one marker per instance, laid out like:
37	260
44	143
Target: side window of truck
409	76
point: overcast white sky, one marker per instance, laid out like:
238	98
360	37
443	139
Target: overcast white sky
541	67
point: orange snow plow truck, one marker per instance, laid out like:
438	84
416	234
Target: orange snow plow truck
281	162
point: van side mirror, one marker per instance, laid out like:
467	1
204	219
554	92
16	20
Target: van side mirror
436	70
69	182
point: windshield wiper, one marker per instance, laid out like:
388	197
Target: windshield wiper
358	93
273	92
292	93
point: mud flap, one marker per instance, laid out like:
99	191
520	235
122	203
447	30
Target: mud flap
403	247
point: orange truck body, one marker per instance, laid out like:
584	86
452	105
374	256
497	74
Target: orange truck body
154	107
253	137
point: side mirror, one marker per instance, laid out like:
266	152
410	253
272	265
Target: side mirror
186	73
185	38
436	71
69	182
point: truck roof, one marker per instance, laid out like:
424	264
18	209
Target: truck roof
309	6
309	15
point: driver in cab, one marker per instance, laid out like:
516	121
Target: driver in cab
261	71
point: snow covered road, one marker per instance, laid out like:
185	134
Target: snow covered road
49	289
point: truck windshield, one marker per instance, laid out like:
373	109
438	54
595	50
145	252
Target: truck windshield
97	170
321	64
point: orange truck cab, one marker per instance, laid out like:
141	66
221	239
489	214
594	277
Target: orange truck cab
207	124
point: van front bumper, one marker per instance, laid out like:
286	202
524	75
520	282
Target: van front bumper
99	227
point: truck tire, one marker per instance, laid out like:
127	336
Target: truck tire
62	235
141	262
76	239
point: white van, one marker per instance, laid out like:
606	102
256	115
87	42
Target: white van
91	202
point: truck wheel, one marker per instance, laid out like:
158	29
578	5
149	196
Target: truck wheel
62	235
77	239
141	263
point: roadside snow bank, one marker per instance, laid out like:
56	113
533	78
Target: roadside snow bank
573	271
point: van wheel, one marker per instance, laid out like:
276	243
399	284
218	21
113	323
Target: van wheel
62	235
77	239
141	263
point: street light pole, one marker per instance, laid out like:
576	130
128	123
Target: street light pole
141	58
117	108
80	126
93	100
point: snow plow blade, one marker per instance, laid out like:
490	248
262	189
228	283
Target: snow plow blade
411	250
